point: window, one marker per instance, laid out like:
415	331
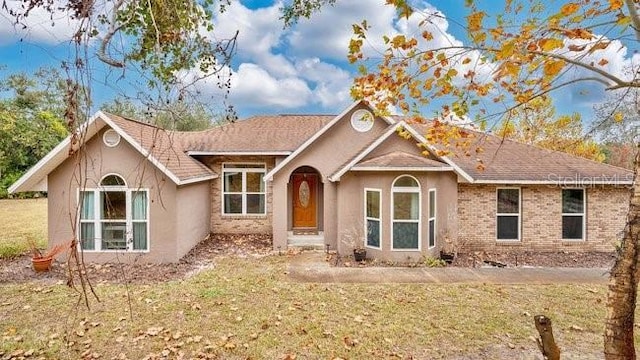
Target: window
508	214
573	214
243	190
113	217
432	218
406	214
372	217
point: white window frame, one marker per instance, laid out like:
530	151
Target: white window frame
583	214
367	218
432	218
518	214
400	189
260	167
98	221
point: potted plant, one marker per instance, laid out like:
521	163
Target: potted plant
42	262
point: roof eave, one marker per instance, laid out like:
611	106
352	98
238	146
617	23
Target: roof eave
583	183
402	168
238	153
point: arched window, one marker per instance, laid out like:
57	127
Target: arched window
114	217
405	221
113	180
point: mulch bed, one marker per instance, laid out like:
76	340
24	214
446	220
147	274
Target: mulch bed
204	255
484	259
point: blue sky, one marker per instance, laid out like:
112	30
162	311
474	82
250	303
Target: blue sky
302	69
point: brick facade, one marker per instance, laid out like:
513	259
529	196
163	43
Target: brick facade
239	224
541	219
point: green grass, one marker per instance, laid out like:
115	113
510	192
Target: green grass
248	308
20	221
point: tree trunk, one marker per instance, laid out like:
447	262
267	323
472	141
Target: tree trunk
623	283
546	342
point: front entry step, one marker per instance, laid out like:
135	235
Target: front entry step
306	241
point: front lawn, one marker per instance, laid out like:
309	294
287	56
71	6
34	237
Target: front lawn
20	221
248	308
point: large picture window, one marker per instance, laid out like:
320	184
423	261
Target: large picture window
508	214
432	218
573	214
406	214
372	217
113	217
243	190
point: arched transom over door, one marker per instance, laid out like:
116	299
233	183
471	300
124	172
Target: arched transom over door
305	199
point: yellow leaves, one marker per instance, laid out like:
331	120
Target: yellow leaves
465	61
603	62
506	50
615	4
474	21
618	117
427	35
569	8
550	44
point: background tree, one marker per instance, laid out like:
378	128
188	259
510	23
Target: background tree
536	123
513	56
180	116
619	138
31	121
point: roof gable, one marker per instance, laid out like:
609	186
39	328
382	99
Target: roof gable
317	135
172	161
356	160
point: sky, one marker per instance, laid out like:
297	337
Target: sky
302	69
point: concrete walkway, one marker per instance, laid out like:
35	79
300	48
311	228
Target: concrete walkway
311	267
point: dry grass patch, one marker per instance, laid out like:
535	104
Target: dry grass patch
20	221
247	308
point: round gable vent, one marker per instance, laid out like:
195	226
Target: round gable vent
362	120
111	138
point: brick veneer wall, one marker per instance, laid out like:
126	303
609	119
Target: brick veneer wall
541	219
234	224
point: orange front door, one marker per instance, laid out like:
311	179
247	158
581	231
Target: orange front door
305	188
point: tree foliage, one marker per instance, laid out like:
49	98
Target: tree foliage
536	123
31	122
513	56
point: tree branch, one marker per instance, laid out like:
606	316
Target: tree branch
635	19
614	79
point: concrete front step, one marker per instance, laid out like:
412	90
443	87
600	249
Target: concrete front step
307	242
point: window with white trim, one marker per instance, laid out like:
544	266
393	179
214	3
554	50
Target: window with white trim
405	199
573	214
114	217
372	217
508	214
432	218
244	191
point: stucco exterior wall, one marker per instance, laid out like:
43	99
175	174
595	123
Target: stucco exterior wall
327	154
239	224
85	170
541	220
351	211
193	211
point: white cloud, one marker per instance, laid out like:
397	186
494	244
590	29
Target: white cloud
41	26
253	86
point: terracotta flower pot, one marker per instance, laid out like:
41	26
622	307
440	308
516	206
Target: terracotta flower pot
41	264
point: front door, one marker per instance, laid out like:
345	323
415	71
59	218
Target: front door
305	189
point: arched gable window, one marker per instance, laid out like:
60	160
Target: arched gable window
112	180
114	217
405	223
